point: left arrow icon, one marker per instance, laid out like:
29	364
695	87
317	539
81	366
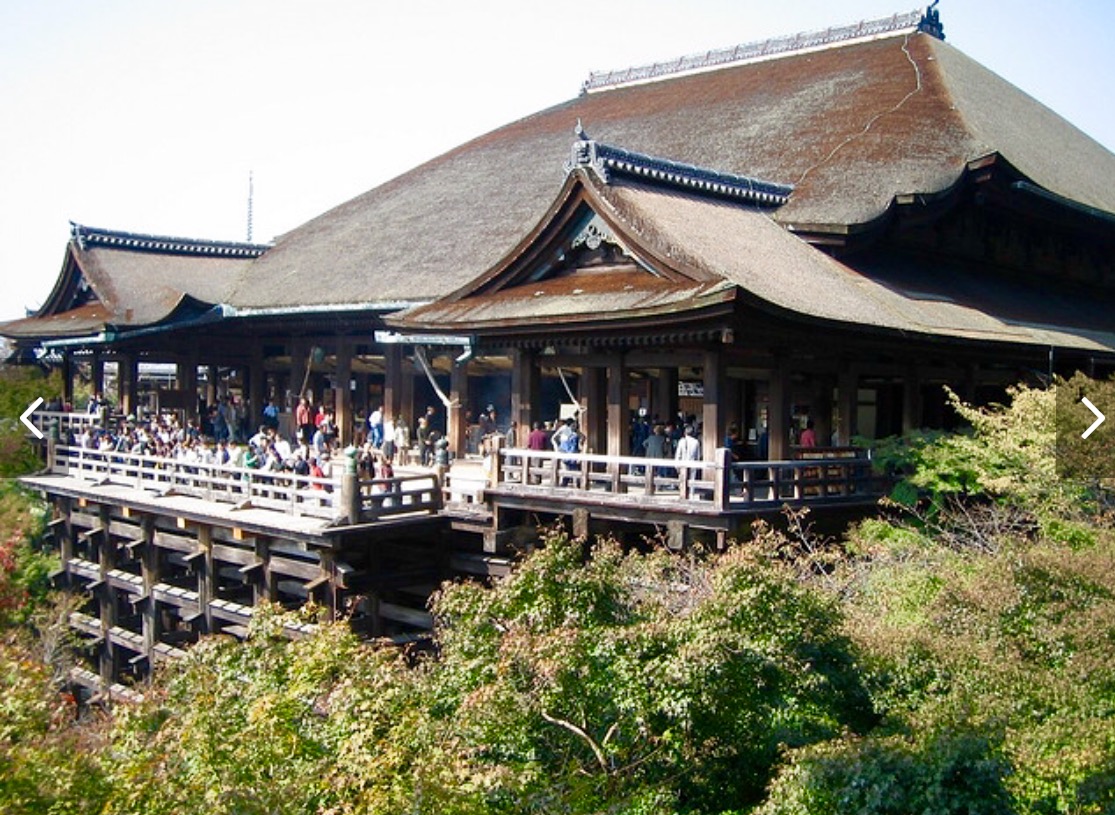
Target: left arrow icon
26	417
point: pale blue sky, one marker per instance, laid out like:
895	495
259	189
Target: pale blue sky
145	115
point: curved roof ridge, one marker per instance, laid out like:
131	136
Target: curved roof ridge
770	48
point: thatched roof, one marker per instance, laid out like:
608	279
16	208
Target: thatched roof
112	280
851	127
718	247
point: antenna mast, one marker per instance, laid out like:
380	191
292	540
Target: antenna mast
251	191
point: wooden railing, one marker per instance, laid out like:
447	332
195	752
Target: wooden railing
281	491
699	482
65	421
829	480
715	485
387	497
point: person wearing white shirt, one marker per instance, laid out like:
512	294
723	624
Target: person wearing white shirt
689	448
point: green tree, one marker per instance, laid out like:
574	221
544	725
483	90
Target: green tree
625	681
19	387
986	617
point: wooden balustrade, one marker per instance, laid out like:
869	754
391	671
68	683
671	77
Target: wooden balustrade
402	495
717	484
221	483
65	421
694	481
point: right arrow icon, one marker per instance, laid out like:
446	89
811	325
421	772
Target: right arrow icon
1099	417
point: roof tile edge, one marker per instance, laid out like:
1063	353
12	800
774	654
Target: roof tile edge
87	237
605	159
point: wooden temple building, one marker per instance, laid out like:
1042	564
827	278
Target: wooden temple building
823	229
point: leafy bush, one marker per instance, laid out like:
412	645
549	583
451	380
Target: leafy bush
1008	455
24	567
19	387
585	682
958	771
603	680
1017	642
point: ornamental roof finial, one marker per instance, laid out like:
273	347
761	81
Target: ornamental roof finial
931	22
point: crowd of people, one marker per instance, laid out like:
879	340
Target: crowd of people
221	436
165	436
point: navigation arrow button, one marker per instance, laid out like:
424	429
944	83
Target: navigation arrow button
1087	403
26	418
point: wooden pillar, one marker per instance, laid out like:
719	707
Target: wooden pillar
187	381
121	381
525	392
206	575
456	427
67	378
407	406
211	374
666	394
911	401
392	381
593	394
257	388
847	395
299	352
106	561
343	404
127	380
714	415
968	387
98	373
616	412
329	584
821	410
361	406
66	535
151	570
778	413
581	522
263	589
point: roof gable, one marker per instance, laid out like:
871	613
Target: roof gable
112	279
696	260
72	289
585	261
579	237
